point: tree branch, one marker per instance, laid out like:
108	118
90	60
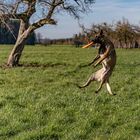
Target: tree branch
42	22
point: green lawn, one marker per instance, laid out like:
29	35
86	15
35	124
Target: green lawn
39	101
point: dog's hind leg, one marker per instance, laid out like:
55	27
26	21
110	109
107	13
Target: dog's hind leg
102	74
109	88
99	88
90	79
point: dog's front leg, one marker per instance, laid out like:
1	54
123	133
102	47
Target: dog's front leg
101	84
96	58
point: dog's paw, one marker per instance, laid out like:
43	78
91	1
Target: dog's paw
96	91
78	85
113	94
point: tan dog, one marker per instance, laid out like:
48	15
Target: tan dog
106	56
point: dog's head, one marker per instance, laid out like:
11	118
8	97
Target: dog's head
98	39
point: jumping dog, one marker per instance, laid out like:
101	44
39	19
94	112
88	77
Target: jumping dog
107	57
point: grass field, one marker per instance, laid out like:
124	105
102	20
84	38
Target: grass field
39	101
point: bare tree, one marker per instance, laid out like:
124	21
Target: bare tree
25	11
126	33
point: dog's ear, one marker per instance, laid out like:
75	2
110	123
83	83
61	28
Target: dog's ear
101	32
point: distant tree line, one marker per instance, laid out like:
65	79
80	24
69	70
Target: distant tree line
9	33
47	41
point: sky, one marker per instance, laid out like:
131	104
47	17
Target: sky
109	11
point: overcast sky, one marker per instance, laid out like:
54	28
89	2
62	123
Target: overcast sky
103	11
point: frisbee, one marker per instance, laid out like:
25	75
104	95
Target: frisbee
88	45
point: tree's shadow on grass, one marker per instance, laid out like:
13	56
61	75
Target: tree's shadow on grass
37	65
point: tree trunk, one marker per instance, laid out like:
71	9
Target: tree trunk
15	54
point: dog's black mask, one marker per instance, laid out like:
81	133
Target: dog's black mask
99	38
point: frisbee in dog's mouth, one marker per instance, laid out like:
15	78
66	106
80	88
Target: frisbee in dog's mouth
88	45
